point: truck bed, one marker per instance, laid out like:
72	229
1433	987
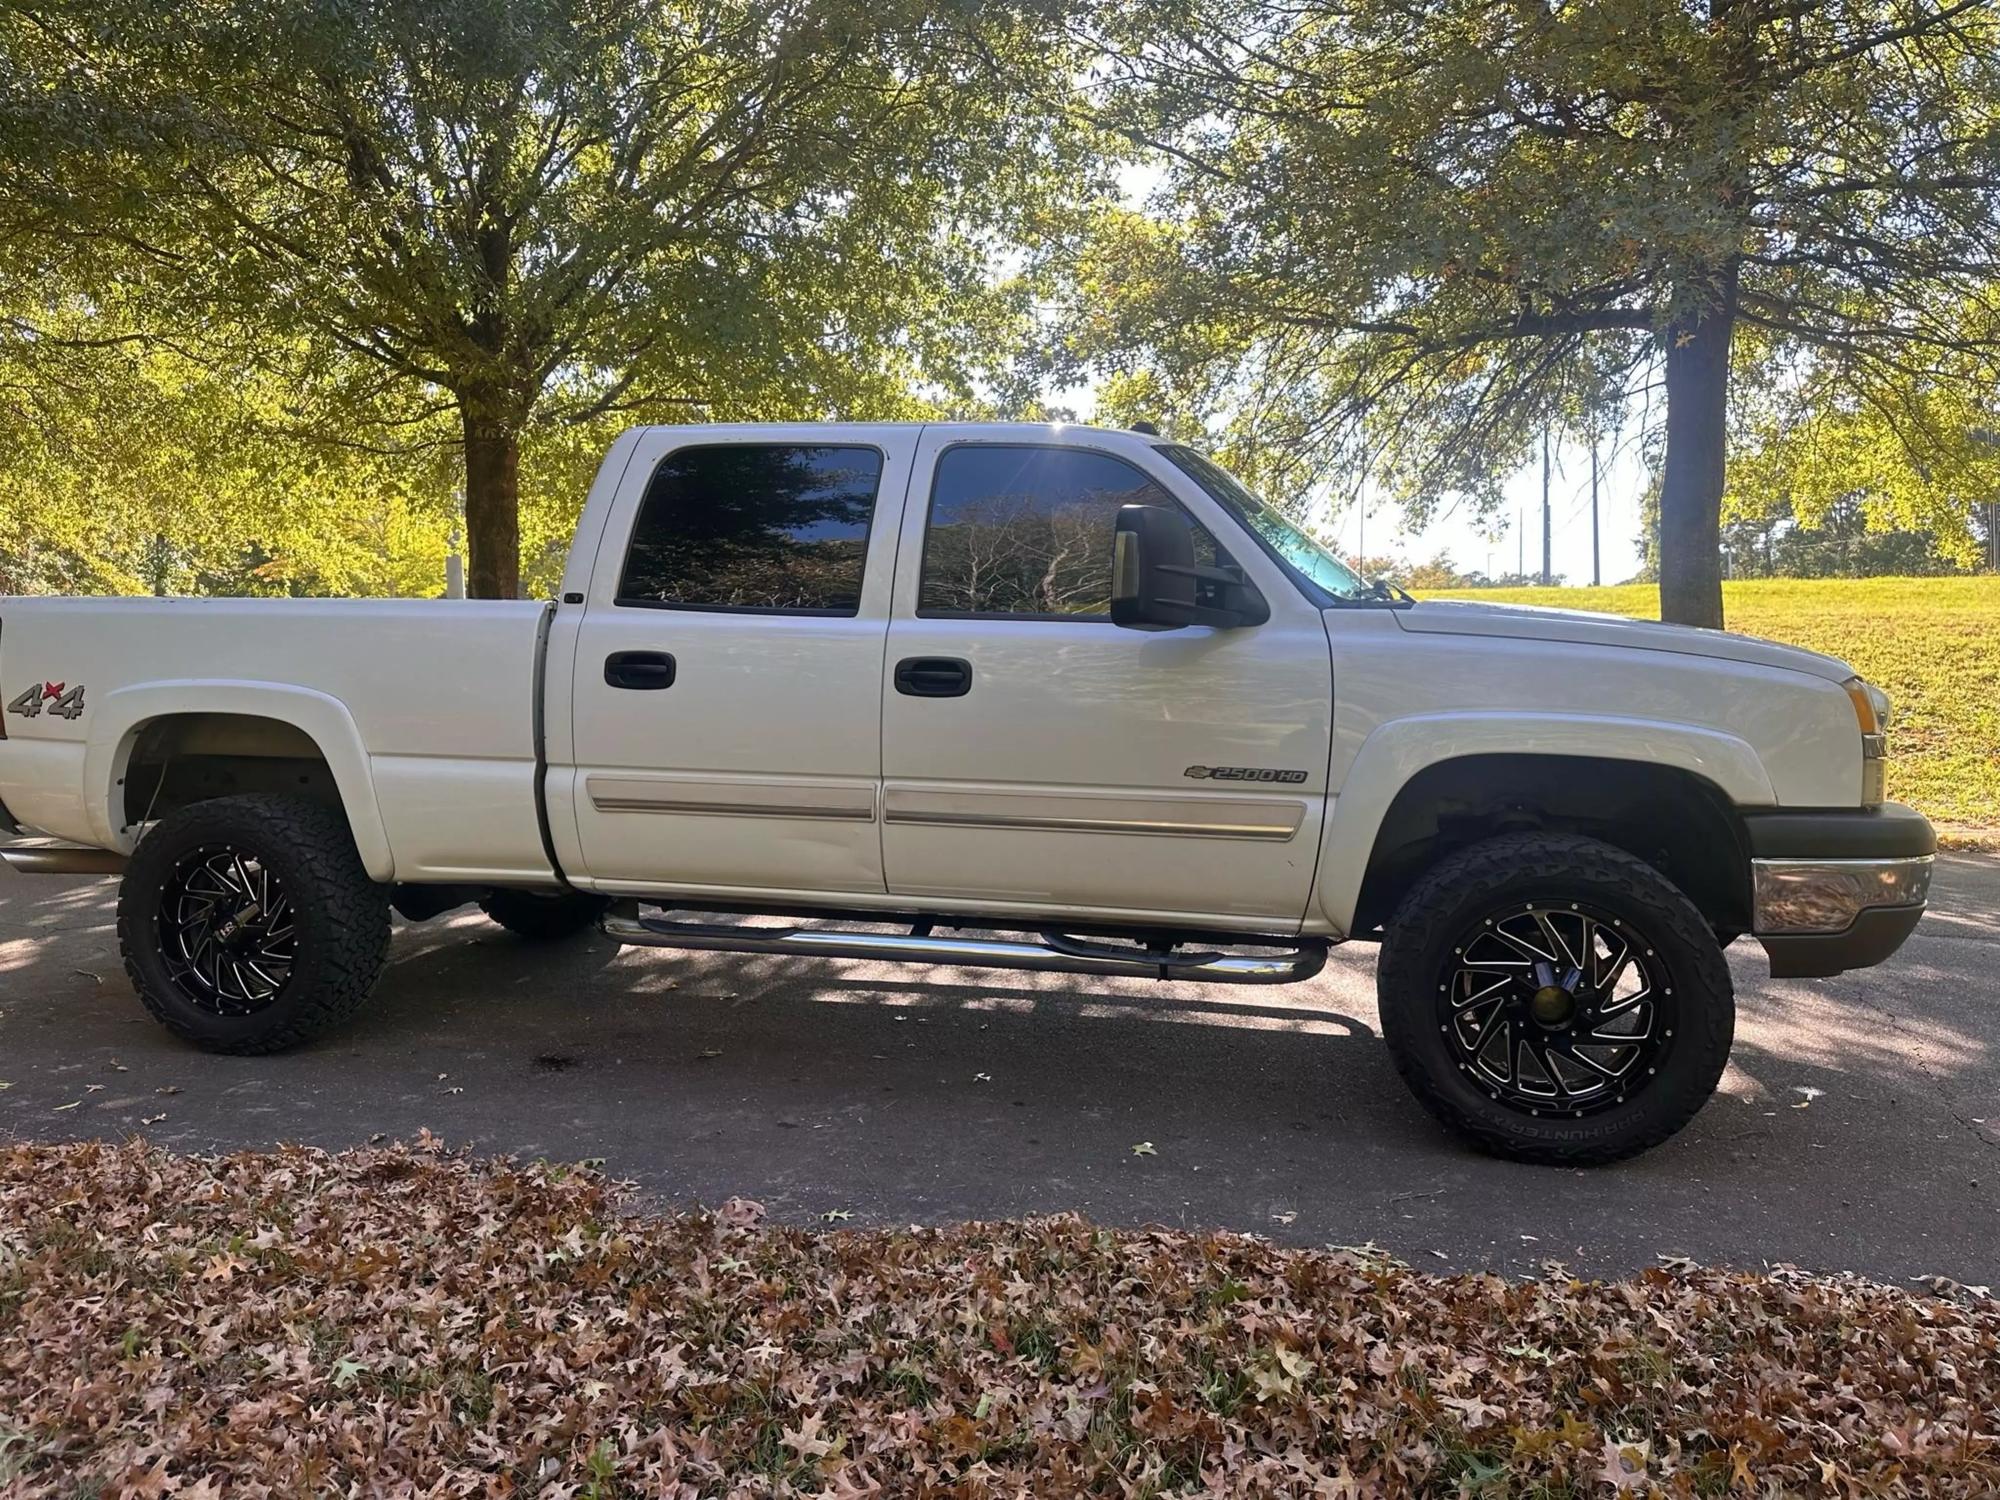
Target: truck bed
431	701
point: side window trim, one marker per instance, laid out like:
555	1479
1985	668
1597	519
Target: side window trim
926	511
622	556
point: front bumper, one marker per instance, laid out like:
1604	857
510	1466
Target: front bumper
1839	889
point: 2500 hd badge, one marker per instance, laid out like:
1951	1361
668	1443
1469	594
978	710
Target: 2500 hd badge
1243	773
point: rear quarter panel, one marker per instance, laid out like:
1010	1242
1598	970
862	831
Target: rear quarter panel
423	707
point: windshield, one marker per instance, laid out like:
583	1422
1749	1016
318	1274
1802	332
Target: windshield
1300	554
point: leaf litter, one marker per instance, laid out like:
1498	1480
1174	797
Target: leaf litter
405	1320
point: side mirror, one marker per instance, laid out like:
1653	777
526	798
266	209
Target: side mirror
1157	585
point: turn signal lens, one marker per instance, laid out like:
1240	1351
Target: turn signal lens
1866	709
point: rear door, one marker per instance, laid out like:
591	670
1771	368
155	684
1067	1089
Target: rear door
1035	755
727	679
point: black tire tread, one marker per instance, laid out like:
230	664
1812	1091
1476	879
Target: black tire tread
1482	872
350	956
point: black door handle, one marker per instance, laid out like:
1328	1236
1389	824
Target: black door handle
934	676
646	671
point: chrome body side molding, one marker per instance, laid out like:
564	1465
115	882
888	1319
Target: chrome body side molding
741	799
1275	819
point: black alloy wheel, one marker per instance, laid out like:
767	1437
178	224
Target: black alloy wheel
1556	1008
227	931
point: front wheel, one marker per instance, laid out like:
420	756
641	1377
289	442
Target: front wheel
1553	999
248	924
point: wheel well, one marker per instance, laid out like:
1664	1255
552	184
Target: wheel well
181	759
1675	820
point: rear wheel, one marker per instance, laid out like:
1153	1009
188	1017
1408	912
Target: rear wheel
248	924
1554	999
544	917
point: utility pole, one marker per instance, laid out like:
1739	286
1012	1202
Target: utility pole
454	560
1520	543
1596	567
1545	507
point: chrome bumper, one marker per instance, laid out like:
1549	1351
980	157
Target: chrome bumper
1834	889
1826	895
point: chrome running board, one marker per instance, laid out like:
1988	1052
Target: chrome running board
1050	951
64	859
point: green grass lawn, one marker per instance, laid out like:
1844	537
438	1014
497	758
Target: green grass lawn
1933	643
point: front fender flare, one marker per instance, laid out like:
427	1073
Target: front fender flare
119	716
1394	752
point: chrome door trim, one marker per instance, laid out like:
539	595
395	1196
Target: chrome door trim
740	799
1265	819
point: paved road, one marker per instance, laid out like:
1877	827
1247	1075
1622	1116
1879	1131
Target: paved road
910	1095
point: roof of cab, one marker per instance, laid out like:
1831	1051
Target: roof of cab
1038	430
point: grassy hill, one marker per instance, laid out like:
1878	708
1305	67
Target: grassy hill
1933	643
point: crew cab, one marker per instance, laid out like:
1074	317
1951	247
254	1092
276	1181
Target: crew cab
1047	697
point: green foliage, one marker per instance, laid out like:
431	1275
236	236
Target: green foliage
529	223
133	468
1393	241
1915	458
1850	534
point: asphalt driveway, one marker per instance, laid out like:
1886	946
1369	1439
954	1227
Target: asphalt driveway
1858	1127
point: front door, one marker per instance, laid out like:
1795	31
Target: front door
728	674
1036	755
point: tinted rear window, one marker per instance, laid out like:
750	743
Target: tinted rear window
766	526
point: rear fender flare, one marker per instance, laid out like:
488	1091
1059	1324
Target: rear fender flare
117	719
1398	750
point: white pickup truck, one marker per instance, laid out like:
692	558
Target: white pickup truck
1044	697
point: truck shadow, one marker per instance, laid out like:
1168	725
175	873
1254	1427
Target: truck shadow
706	1022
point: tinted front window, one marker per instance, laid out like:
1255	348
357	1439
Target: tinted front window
1026	530
1285	540
754	526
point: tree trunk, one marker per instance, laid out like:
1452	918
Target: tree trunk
492	500
1691	486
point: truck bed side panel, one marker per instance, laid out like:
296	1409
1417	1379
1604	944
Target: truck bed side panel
439	695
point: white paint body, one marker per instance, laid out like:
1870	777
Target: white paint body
782	767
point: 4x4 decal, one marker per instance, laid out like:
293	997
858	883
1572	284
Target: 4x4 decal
67	704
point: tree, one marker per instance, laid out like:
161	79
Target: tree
131	468
1402	235
1843	540
506	212
1907	457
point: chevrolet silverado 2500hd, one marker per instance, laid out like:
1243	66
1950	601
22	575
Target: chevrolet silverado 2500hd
1045	697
